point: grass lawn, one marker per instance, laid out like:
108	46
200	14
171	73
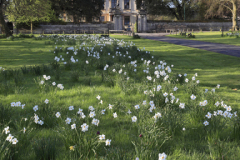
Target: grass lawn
24	51
212	68
214	37
84	78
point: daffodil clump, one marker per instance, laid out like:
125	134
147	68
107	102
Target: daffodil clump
168	105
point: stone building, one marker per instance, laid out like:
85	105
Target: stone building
124	14
128	11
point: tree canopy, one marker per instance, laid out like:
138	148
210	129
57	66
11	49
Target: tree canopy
29	11
172	8
219	7
78	8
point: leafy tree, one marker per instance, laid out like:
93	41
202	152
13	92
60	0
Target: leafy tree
29	11
78	8
172	8
86	8
218	7
3	25
58	6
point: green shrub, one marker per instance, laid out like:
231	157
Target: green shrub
3	36
190	35
183	34
20	35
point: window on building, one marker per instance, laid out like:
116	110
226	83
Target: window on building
102	19
126	4
113	3
126	20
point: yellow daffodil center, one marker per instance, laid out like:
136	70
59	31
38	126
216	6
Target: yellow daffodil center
71	148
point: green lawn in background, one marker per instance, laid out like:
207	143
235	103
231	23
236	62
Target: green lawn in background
214	37
24	51
212	68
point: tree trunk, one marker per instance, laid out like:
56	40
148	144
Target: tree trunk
179	11
14	28
3	25
31	27
234	15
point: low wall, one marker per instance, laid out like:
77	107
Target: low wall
71	29
161	26
151	27
83	28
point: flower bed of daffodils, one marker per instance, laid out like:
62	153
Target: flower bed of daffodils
154	119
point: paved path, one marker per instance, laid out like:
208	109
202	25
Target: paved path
214	47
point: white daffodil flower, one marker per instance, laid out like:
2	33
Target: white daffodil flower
46	101
136	106
9	138
134	119
84	127
162	156
193	97
68	120
108	142
71	108
35	108
98	97
92	114
7	130
165	94
209	115
103	111
40	122
102	137
73	126
91	108
58	114
206	123
182	105
14	141
115	115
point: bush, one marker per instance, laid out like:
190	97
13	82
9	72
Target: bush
190	35
20	35
183	34
3	36
135	36
11	38
106	36
27	25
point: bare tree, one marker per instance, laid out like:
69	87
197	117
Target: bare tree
176	8
217	7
